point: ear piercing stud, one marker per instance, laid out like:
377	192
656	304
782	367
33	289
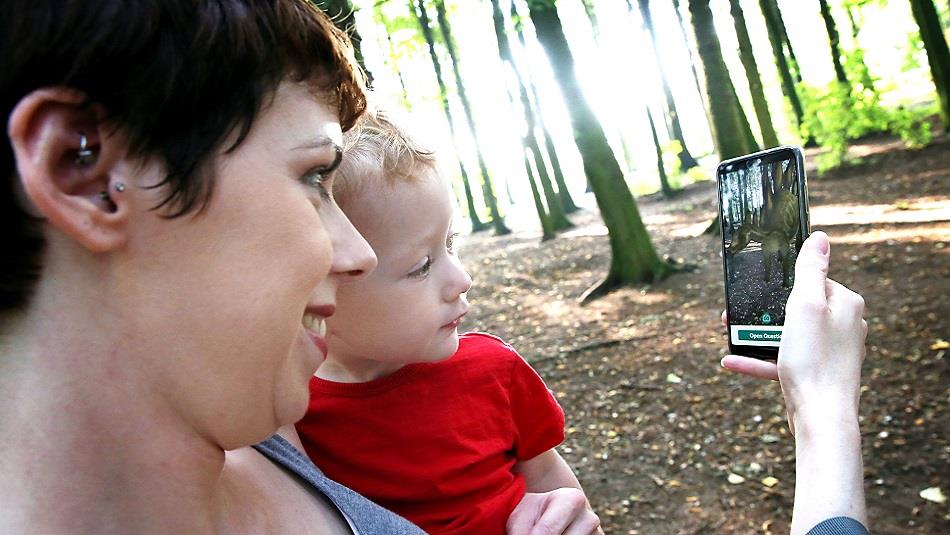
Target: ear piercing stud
84	155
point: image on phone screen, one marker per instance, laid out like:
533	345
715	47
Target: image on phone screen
761	210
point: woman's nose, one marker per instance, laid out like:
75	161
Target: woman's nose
353	258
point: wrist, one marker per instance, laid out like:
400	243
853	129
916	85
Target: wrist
818	420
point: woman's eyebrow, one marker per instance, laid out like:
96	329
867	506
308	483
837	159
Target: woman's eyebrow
321	142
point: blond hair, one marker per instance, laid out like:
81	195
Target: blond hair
377	150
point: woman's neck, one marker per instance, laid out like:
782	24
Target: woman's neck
90	448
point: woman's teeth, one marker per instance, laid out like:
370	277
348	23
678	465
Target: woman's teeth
317	324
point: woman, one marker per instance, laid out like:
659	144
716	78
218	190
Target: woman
168	266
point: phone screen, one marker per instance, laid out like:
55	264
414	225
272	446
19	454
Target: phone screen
763	209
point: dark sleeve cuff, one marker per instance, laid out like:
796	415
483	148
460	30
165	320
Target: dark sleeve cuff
840	525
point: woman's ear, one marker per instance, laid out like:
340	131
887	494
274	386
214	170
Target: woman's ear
66	159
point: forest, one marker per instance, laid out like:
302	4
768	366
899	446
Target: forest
581	139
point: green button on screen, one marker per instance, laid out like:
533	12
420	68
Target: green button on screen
760	336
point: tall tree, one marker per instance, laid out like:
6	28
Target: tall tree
547	229
558	218
925	13
423	18
633	257
567	202
692	63
661	169
488	191
730	125
769	138
686	159
834	39
341	12
775	31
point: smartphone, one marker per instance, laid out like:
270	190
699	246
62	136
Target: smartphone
763	210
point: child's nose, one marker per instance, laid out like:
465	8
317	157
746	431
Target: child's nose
460	281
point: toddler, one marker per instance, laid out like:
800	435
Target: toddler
449	431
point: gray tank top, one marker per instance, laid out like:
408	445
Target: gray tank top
365	517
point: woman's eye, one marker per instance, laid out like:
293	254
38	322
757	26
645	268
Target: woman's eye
318	178
422	270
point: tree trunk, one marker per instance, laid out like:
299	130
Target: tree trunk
591	16
633	257
664	180
488	191
769	138
558	218
423	18
931	33
686	159
730	125
773	26
341	13
564	195
833	38
547	229
692	66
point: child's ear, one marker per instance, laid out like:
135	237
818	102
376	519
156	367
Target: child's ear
74	189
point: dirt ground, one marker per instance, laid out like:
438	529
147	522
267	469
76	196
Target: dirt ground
663	440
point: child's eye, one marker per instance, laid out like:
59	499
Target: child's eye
422	270
450	242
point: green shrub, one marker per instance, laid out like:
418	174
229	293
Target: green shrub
834	116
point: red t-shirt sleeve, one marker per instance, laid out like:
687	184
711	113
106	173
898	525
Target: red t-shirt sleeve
537	417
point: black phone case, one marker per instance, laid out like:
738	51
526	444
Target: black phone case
762	352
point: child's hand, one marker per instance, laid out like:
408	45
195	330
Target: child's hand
562	511
822	346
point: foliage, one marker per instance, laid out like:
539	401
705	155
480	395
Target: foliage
835	116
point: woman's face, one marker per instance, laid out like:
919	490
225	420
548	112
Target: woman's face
228	304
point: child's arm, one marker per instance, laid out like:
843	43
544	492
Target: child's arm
547	471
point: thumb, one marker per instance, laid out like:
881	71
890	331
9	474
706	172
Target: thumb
811	268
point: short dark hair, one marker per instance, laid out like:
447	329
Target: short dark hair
175	76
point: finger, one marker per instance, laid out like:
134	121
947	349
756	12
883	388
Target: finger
587	523
522	518
762	369
811	268
724	320
559	514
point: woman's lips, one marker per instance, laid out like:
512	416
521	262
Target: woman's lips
456	322
315	323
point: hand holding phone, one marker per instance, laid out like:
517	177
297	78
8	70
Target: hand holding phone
763	211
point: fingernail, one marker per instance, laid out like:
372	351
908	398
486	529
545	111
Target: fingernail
823	244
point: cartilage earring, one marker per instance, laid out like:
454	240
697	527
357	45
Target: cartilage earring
84	155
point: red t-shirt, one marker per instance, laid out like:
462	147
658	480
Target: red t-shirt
436	442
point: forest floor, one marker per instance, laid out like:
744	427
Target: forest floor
665	441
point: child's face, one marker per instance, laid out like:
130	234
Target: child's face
409	308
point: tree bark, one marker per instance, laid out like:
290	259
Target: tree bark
633	257
423	18
762	114
686	159
833	39
488	191
558	218
931	33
